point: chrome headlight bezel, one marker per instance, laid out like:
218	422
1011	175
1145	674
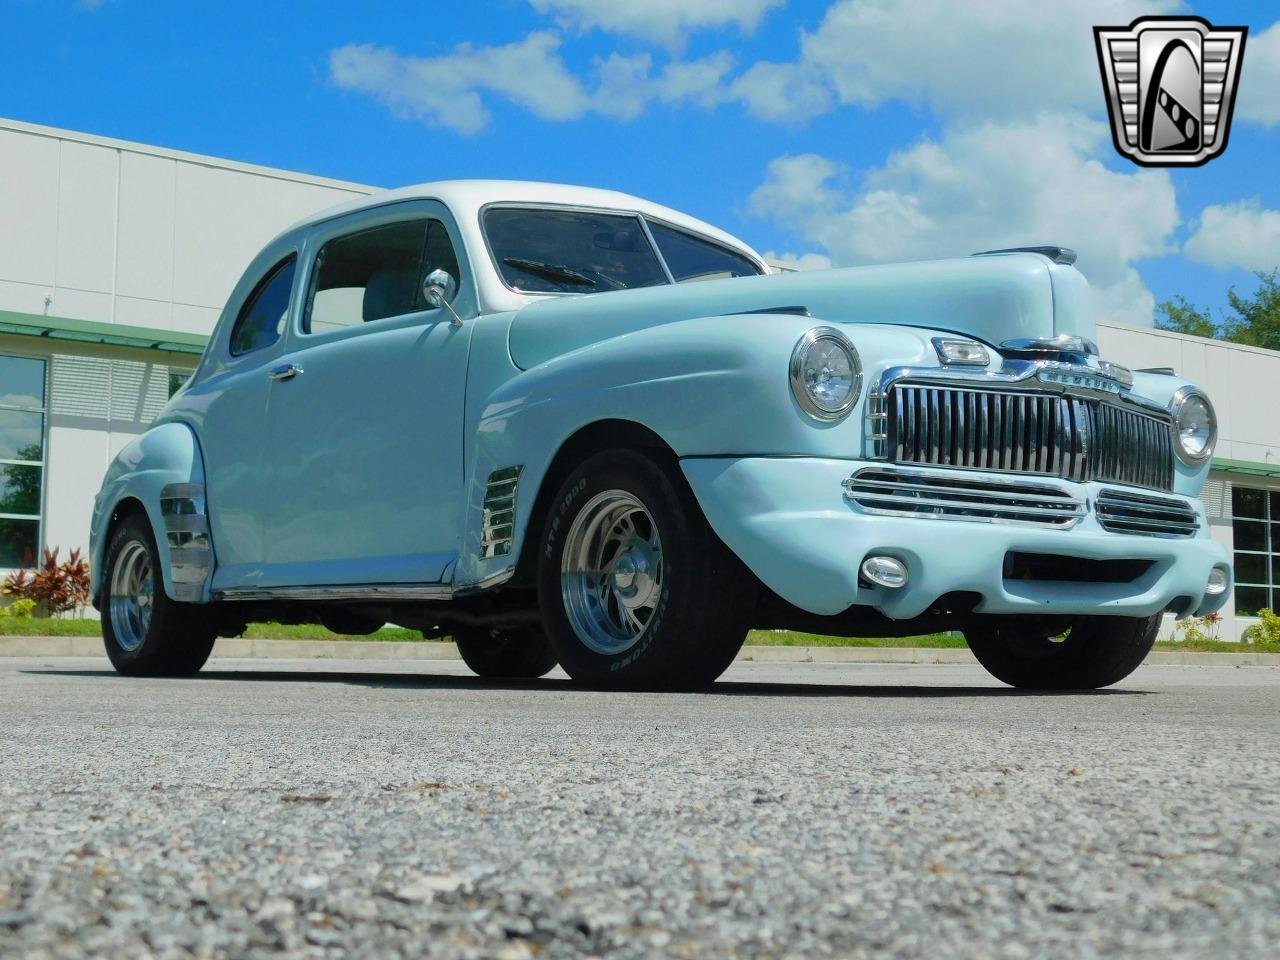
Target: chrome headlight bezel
1176	405
799	388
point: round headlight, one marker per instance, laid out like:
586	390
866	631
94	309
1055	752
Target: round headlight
826	374
1195	427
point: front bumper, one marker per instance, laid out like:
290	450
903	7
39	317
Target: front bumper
790	522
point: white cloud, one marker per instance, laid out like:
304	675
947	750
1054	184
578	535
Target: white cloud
798	261
623	90
665	22
1241	235
450	90
977	59
984	186
445	90
627	85
1256	99
698	81
790	93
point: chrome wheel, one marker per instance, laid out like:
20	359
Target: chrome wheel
132	595
611	572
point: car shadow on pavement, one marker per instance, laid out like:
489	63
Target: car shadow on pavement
731	688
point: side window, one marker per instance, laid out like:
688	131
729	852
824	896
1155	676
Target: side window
689	258
375	274
261	321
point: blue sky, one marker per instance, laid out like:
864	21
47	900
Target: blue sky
856	130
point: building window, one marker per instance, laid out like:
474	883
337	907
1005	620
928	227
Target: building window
22	392
1256	529
177	380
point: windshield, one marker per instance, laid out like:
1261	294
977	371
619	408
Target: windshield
573	251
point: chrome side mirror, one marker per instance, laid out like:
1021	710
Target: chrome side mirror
438	289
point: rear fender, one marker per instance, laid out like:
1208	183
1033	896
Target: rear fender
163	471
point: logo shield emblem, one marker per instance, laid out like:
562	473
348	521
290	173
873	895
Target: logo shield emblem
1171	86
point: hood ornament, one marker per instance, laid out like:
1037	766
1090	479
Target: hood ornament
1063	255
1039	346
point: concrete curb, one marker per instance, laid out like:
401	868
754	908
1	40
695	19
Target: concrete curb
241	648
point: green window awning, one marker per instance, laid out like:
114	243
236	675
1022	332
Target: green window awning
110	334
1249	468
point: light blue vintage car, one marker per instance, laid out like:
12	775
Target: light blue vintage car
570	426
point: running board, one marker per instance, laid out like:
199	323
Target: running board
365	591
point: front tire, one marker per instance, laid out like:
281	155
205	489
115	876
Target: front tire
522	654
636	590
146	633
1094	652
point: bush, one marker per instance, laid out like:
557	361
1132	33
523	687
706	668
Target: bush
55	587
1200	629
1264	633
20	609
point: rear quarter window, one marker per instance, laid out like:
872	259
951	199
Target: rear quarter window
262	318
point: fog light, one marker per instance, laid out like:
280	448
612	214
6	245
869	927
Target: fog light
885	571
1217	584
953	350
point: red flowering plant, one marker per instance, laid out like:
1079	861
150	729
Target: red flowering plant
55	587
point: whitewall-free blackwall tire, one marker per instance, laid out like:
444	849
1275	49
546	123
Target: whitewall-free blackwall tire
636	590
522	654
1094	652
146	633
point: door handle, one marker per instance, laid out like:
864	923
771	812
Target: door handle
286	371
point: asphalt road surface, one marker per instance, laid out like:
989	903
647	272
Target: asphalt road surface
801	810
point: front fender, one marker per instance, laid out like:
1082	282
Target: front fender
709	386
163	471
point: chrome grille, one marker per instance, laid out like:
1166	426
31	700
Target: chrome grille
1073	437
1123	512
950	496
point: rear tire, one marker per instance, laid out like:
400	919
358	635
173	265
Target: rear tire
636	590
146	633
522	654
1096	651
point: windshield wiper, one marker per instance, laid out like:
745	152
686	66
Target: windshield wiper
550	270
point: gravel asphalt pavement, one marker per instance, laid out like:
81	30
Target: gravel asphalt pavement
311	809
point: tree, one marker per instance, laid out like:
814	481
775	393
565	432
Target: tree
1258	323
1256	320
1183	317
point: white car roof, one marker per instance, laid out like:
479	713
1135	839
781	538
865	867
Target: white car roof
466	197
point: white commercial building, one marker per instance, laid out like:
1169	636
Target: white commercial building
115	260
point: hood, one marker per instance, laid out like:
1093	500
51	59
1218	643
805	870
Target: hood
989	298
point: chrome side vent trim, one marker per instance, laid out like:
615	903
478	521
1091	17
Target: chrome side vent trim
877	430
186	531
1122	511
497	527
952	496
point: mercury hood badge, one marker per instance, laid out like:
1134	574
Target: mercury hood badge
1170	84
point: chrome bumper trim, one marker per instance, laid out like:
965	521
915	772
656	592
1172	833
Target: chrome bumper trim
939	495
1134	513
